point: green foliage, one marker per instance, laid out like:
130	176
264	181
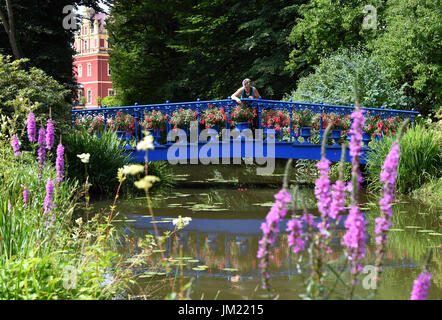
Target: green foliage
41	38
106	157
22	91
111	101
335	77
430	193
410	49
41	258
334	171
325	27
420	161
180	50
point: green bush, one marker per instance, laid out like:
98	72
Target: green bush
430	193
106	157
420	161
22	90
335	77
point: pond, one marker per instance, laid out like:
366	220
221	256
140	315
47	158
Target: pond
217	250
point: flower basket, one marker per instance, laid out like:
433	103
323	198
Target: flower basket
122	122
275	119
242	113
182	118
214	117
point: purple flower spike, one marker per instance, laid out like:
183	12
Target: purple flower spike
420	287
270	230
388	176
294	239
338	199
322	193
41	155
31	127
26	196
48	205
50	134
59	163
16	145
354	238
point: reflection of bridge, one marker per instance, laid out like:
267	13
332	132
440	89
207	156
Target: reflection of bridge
286	145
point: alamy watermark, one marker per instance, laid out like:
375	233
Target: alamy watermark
370	20
370	281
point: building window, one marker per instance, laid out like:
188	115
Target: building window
110	92
89	96
108	69
85	44
89	70
80	70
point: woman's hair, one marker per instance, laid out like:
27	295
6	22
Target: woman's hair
245	81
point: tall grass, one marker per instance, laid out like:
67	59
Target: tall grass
420	161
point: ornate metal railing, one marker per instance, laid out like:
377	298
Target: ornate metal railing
137	111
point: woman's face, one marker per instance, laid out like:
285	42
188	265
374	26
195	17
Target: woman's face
247	85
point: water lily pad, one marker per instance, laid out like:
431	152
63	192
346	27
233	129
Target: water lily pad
425	231
397	230
230	269
435	234
413	227
193	261
265	204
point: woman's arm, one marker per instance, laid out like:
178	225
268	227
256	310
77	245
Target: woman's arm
236	95
256	93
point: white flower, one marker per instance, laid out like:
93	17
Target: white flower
133	169
146	182
146	143
181	222
84	157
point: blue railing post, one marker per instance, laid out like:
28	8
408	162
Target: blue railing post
321	123
291	121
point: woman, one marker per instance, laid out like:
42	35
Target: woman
246	91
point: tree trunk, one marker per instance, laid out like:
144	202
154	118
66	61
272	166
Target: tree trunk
10	29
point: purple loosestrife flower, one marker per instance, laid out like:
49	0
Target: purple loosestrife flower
31	127
59	163
48	205
270	230
383	223
9	205
420	287
356	140
26	196
322	193
41	154
15	143
338	199
294	239
49	134
354	238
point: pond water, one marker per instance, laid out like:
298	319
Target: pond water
217	250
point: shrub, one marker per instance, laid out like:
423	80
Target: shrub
420	159
334	78
22	90
106	157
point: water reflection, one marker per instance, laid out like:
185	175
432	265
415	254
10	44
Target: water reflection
221	242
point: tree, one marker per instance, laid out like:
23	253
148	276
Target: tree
144	64
39	35
227	41
9	25
410	47
334	79
24	90
326	26
181	51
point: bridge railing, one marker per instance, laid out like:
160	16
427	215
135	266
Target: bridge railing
260	105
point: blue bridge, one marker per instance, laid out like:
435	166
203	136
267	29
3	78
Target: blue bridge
278	129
